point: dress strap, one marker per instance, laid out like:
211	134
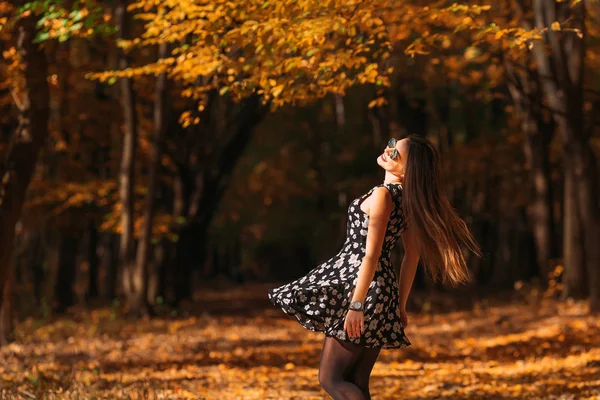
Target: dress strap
395	190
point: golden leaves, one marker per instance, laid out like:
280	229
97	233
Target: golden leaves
537	350
378	102
277	90
288	52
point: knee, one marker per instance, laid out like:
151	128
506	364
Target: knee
326	380
361	383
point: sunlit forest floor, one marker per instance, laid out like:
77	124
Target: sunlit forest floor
235	345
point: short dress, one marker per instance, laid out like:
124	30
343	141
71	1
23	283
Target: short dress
320	299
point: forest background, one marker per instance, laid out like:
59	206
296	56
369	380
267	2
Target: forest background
155	150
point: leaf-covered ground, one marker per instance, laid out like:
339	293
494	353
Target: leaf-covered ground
237	346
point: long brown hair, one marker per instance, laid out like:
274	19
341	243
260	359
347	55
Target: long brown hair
439	230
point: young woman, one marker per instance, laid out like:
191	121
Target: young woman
354	297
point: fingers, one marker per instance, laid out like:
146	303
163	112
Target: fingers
404	319
354	326
349	328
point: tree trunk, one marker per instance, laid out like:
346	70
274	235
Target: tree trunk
131	281
6	314
37	262
211	183
64	295
540	212
340	113
586	178
110	262
23	151
190	252
538	135
138	297
93	292
157	272
574	280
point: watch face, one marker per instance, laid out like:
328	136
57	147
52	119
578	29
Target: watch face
356	304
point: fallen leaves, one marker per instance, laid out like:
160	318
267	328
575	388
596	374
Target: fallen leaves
510	350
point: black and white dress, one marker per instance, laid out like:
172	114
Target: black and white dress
320	299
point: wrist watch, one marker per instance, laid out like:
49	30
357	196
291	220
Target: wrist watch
356	306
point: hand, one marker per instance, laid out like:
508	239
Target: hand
354	324
403	317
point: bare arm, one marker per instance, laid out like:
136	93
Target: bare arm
379	215
409	264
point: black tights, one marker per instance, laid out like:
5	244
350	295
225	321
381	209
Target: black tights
345	369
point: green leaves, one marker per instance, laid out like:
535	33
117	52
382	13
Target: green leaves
56	21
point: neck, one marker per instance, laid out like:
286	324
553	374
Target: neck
389	178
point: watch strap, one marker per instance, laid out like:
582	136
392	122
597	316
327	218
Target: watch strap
356	309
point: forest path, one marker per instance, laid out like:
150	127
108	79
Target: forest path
236	345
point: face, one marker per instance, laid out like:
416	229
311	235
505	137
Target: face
394	165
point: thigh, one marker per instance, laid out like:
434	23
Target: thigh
361	370
337	359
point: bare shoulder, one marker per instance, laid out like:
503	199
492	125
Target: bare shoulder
381	200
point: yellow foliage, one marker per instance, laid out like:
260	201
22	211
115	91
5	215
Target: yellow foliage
288	51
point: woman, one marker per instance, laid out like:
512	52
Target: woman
354	297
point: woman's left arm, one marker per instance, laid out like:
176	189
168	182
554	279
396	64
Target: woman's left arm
379	215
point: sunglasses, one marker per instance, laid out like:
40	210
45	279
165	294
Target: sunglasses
392	145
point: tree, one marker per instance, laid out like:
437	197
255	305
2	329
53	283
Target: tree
562	71
25	144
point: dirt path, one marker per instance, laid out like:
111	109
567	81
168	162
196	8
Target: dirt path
237	346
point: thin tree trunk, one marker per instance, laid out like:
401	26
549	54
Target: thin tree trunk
538	135
6	314
67	270
574	281
541	208
138	298
22	155
52	242
110	261
37	261
131	281
211	183
586	177
156	272
340	113
93	292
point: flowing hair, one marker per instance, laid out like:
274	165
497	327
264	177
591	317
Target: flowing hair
439	230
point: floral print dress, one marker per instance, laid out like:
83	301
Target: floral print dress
320	299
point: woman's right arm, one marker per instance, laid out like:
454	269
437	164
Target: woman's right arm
409	265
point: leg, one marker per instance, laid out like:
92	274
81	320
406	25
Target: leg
360	373
337	359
